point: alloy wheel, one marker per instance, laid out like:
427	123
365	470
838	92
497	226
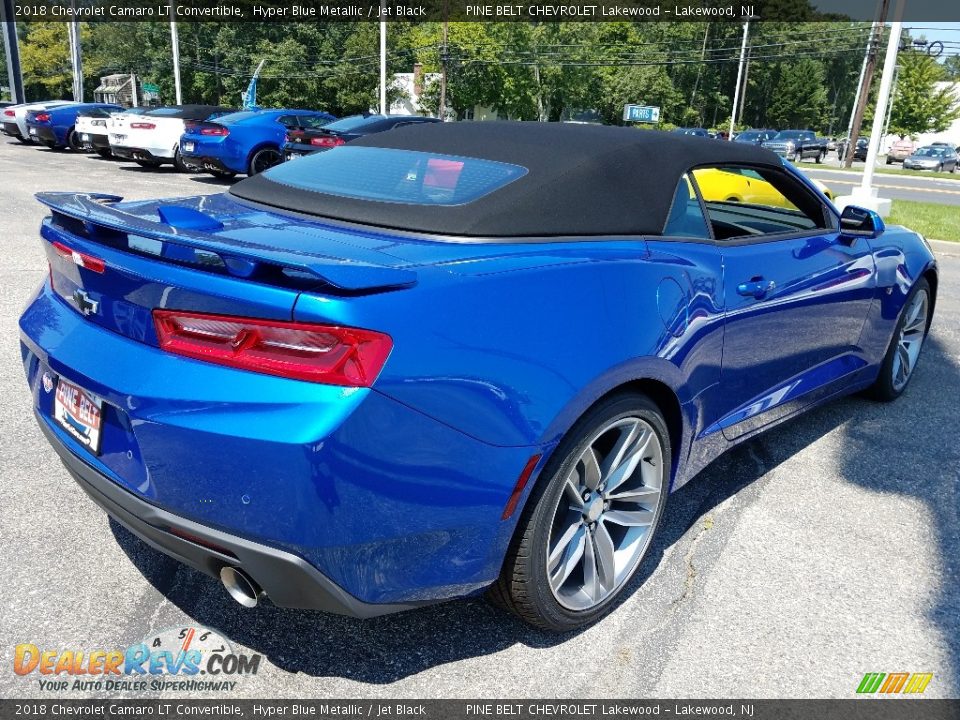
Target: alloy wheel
264	160
911	337
605	515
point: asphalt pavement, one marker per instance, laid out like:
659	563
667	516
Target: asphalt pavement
940	188
798	562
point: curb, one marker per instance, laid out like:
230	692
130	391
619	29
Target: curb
943	247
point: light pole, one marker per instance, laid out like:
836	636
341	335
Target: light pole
11	46
383	59
175	45
736	92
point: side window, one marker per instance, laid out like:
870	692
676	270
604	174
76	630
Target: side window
289	121
686	216
745	202
312	121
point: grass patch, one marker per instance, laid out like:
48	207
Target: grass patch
933	221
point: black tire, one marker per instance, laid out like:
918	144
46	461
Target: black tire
148	163
884	389
178	162
822	154
889	161
940	167
264	159
73	141
523	587
103	152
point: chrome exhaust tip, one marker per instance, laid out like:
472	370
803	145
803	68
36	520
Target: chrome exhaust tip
240	586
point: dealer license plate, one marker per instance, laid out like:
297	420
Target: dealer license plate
188	147
80	413
33	131
85	137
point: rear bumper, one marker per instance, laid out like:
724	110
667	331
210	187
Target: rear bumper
208	164
386	503
138	153
96	141
45	134
11	129
288	580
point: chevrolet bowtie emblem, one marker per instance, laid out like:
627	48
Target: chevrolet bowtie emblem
84	303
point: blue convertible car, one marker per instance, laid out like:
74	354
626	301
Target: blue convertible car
448	359
248	142
54	127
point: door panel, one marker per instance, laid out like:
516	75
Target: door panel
794	311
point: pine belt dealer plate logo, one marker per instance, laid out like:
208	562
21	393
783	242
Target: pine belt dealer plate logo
185	659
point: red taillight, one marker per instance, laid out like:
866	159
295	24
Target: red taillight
327	141
142	126
318	353
42	117
82	259
219	131
9	113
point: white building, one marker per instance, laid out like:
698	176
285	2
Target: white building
409	89
950	135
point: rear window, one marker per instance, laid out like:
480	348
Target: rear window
400	176
354	121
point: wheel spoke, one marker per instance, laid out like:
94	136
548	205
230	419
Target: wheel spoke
572	493
591	579
640	494
627	457
563	542
590	472
604	553
571	557
630	518
904	360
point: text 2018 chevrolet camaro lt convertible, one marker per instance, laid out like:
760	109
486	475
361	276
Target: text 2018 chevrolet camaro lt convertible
450	359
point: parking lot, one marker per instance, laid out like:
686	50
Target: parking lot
823	550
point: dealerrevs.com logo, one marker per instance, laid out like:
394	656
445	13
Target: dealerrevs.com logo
190	659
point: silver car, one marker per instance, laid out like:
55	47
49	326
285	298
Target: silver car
932	157
15	118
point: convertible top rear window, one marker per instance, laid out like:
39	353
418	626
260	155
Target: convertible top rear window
396	176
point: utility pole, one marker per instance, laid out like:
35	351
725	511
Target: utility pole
442	113
76	56
703	54
175	45
736	92
12	50
383	59
860	104
743	91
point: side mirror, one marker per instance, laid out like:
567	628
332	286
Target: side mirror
860	222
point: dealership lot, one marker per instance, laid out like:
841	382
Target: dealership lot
792	566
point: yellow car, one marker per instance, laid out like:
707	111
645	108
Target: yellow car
744	186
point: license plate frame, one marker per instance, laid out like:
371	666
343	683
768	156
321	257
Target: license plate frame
79	413
188	147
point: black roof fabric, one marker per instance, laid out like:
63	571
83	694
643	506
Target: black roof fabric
582	179
190	112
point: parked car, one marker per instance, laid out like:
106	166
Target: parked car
289	387
859	152
698	132
152	138
92	124
933	157
15	118
56	127
754	137
900	151
797	145
741	185
324	135
244	142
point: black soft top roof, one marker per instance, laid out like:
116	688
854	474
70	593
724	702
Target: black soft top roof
189	112
582	179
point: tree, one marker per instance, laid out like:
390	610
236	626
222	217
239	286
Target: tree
45	61
951	67
799	97
918	106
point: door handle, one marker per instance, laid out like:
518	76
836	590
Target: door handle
757	287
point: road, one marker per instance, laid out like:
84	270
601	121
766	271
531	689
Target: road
790	567
930	188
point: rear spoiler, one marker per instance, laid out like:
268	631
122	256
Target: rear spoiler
184	227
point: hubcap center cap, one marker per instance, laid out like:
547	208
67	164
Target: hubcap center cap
593	509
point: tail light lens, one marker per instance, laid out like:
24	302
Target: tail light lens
98	123
326	354
42	117
9	113
219	131
142	126
89	262
327	142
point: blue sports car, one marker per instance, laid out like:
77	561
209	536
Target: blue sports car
447	359
248	142
54	127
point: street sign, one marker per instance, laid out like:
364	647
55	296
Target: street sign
150	88
641	113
